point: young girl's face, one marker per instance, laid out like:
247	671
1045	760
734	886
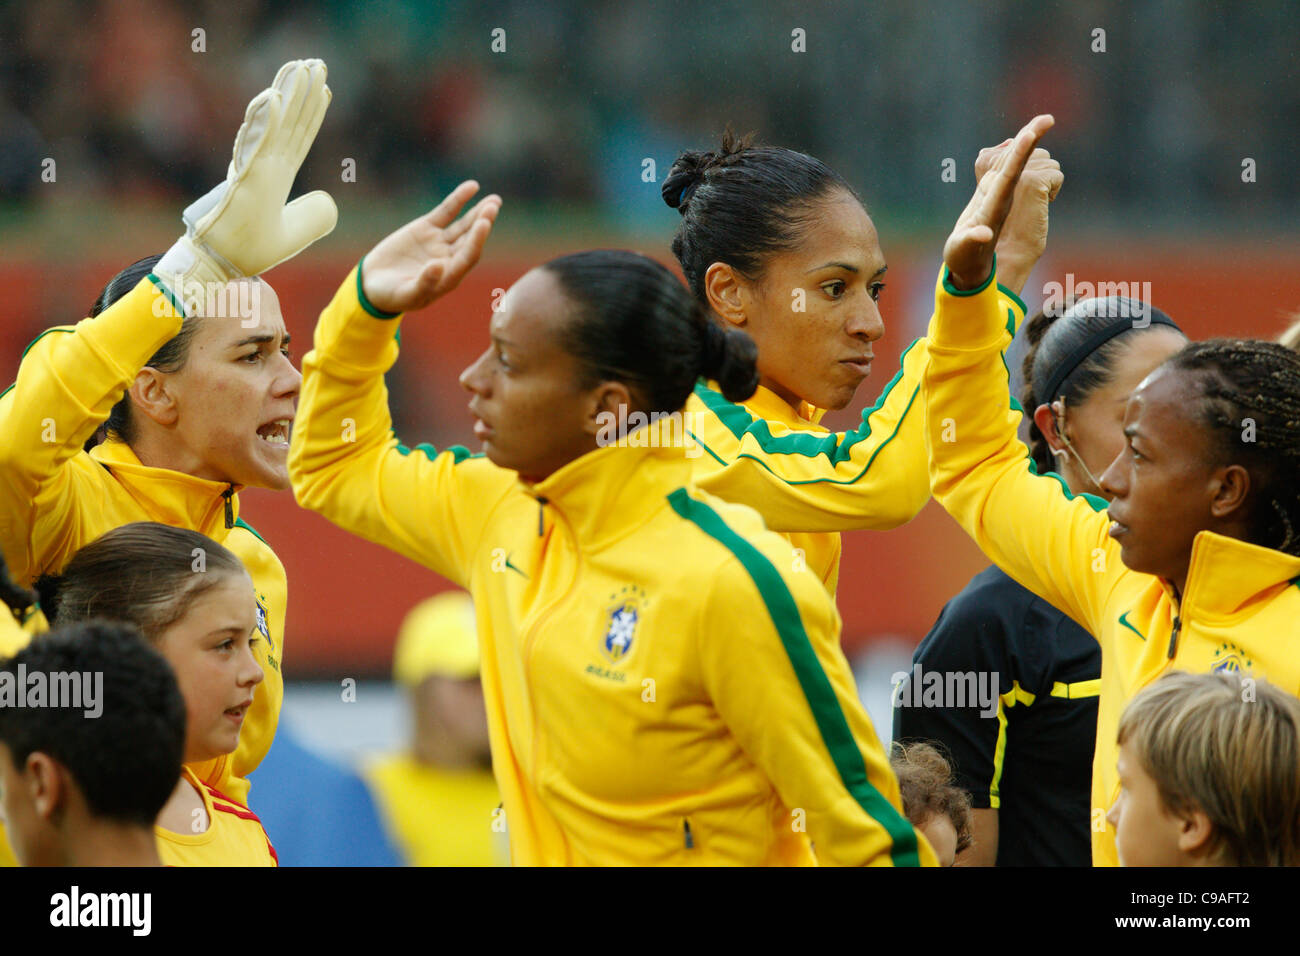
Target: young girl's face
1146	834
210	649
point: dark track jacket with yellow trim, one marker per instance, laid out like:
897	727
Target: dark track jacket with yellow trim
56	498
810	483
1240	611
660	687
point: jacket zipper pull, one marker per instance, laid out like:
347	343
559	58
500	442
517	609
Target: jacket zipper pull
686	831
541	506
230	510
1173	637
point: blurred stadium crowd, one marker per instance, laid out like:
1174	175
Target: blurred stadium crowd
116	90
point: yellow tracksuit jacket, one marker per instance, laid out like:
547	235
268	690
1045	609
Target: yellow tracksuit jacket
56	498
660	688
12	636
809	483
1241	608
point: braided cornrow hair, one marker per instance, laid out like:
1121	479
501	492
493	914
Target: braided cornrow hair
1252	388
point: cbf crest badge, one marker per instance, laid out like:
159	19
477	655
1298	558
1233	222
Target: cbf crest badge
621	620
1230	659
262	626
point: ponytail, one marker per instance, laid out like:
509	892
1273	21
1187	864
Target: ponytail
730	358
635	323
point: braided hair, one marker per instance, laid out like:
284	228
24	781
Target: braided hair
1248	395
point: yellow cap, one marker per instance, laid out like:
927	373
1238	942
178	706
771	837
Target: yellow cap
437	638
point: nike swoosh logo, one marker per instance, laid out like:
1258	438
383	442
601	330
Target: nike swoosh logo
513	568
1123	620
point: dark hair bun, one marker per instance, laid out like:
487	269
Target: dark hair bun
686	174
730	357
689	169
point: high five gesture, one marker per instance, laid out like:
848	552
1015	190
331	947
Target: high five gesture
968	252
428	257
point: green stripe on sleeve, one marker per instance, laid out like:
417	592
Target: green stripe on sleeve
698	441
1024	310
31	345
458	452
739	421
366	304
736	417
168	295
241	523
953	290
816	686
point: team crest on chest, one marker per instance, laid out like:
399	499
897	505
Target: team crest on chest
1230	659
262	627
621	621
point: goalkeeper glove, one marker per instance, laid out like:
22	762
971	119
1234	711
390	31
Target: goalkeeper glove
244	227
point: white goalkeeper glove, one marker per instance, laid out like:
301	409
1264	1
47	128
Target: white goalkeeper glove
243	227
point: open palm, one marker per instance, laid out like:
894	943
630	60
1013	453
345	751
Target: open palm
428	257
968	252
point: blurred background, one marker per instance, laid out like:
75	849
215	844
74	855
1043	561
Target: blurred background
1178	125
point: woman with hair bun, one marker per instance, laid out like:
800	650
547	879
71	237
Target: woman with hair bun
774	242
1028	767
660	687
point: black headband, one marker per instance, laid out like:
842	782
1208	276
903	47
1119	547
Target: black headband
1089	345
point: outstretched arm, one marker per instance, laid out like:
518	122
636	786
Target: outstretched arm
72	376
344	460
1051	541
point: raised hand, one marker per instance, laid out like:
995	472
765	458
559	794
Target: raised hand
245	225
968	252
1024	235
428	257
